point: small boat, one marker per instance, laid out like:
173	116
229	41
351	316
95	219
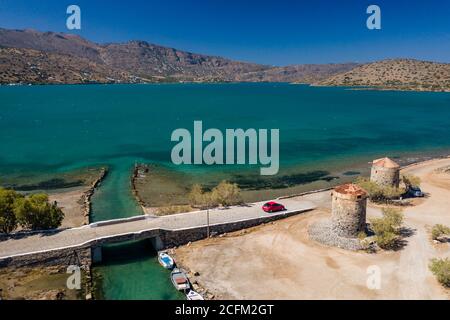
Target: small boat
165	260
192	295
179	279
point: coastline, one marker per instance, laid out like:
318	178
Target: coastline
76	204
214	263
86	197
378	88
209	292
153	183
312	85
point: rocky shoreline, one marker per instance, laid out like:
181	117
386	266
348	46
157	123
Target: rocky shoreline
138	170
87	195
87	206
193	278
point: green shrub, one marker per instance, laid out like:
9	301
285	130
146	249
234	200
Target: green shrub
441	269
227	194
439	230
393	216
387	229
36	213
8	221
362	235
411	181
162	211
379	193
196	195
387	240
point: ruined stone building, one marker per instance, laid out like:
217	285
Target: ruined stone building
385	172
348	210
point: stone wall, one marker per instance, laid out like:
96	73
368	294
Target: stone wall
348	217
137	171
388	177
64	257
87	195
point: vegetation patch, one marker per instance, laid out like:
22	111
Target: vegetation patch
225	194
439	232
387	229
33	212
379	193
164	211
441	269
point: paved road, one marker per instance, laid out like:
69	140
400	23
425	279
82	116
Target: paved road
78	236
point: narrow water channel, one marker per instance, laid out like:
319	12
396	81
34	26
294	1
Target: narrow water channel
129	270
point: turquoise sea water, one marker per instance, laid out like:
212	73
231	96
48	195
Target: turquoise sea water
59	128
131	271
53	127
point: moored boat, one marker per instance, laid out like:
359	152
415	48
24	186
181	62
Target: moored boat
179	279
165	260
192	295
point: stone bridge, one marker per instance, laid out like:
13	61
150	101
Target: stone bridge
164	232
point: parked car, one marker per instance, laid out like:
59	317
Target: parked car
415	192
273	207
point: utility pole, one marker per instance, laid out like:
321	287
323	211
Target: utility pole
208	201
207	222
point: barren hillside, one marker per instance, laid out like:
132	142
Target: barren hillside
399	74
49	57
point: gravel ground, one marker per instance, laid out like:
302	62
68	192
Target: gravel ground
322	232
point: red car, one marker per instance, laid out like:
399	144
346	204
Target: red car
273	207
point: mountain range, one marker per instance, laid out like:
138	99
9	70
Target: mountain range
33	57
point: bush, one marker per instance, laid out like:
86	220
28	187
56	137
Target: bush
8	221
379	193
227	194
200	199
387	228
394	217
162	211
411	181
441	269
439	230
196	195
36	213
387	240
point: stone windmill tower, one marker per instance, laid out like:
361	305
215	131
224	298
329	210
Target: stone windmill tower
385	172
348	210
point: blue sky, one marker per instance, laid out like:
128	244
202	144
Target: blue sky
269	32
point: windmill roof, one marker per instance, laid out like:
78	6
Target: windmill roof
386	163
350	189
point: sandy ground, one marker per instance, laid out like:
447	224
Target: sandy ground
278	261
72	205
